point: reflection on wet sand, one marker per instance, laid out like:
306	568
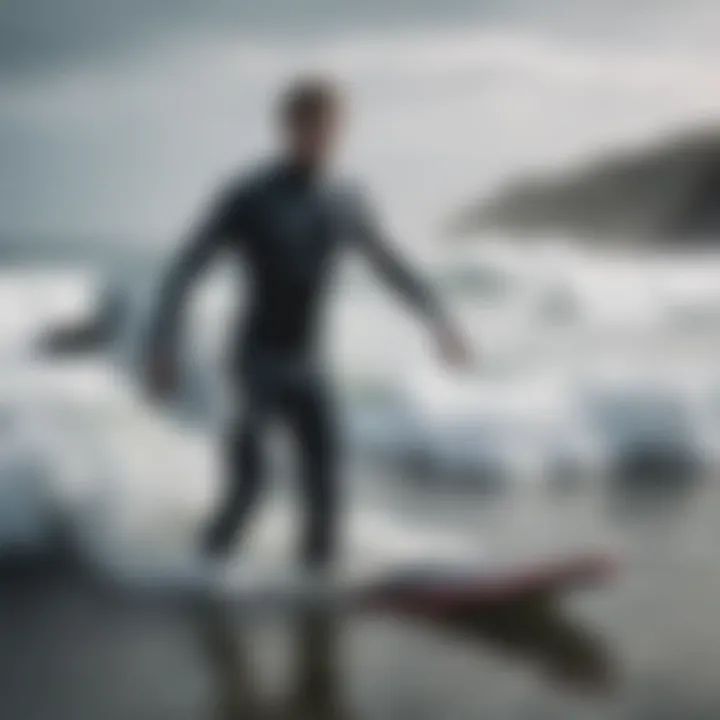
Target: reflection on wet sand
536	631
314	687
539	631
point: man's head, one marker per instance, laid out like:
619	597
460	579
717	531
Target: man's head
310	115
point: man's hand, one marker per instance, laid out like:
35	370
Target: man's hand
454	348
161	375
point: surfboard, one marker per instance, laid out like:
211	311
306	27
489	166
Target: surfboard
438	590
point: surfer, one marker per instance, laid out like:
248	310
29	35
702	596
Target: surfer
286	222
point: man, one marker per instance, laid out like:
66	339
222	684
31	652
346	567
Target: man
286	223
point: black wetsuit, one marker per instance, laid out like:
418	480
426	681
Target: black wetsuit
286	225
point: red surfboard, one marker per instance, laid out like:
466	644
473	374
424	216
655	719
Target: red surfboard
440	590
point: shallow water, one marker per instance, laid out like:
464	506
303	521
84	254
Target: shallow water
645	646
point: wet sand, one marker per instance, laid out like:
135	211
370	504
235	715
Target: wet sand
647	646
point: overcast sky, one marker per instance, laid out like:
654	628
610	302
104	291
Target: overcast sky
115	114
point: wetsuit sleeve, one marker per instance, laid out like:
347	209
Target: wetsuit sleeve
205	240
392	268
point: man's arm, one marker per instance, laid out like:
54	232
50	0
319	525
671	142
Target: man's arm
392	268
397	274
204	242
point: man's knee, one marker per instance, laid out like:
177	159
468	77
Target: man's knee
243	445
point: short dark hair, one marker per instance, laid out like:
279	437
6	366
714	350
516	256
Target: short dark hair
308	98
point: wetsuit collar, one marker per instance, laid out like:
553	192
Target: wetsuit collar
300	173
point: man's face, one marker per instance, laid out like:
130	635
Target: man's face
313	139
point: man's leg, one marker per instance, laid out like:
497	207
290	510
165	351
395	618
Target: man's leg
243	478
312	420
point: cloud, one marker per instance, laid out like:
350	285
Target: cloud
39	35
121	114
